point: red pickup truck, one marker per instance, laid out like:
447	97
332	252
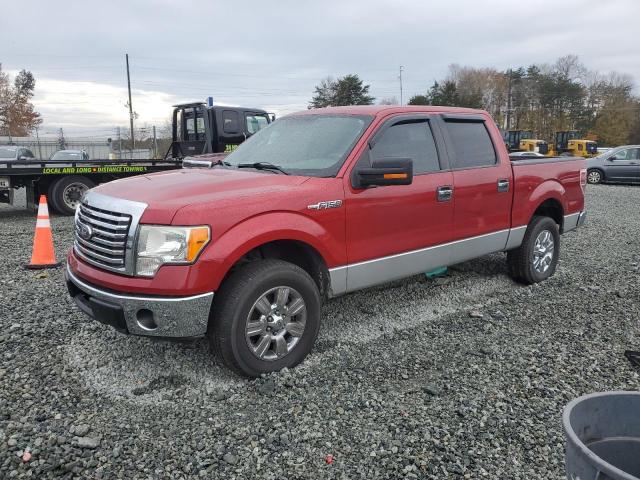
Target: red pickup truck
320	203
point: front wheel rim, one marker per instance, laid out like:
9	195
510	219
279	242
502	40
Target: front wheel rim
543	251
275	323
594	177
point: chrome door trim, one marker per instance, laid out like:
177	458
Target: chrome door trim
516	236
355	276
475	247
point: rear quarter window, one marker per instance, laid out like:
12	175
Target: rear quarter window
471	144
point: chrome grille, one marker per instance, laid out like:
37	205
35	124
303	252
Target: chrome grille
104	243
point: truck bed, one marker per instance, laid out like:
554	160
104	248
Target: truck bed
532	182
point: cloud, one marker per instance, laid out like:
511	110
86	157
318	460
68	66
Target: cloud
272	54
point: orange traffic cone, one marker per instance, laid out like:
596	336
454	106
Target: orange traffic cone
43	254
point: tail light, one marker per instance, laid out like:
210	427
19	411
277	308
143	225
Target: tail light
583	179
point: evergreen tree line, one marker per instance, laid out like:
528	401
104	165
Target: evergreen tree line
544	98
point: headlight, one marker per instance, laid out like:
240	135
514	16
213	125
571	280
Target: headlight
159	245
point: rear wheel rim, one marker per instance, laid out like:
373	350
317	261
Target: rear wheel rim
594	177
72	194
543	251
275	323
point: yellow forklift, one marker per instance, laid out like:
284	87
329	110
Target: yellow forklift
524	141
570	142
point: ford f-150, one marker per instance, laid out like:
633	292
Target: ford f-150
318	204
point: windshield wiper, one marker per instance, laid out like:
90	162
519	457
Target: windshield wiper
195	163
262	166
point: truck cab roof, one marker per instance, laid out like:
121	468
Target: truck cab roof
377	110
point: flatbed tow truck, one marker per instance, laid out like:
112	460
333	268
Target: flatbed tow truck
197	129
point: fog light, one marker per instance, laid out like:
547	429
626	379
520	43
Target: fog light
145	319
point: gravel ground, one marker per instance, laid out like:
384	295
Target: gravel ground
459	377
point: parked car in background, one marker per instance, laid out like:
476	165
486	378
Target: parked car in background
618	165
526	154
13	153
71	155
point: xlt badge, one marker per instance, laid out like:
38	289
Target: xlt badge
325	205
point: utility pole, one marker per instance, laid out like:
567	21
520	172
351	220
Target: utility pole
119	144
9	127
155	143
39	146
133	140
509	72
400	77
62	143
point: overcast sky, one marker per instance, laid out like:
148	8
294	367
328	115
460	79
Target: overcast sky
271	54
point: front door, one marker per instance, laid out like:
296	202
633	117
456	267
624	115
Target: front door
623	166
396	231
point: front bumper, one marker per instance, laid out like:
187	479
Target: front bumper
142	315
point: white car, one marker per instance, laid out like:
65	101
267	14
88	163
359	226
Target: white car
526	154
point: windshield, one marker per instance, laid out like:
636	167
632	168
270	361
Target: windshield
313	145
7	153
67	156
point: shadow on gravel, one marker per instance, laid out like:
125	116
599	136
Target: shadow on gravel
142	370
167	382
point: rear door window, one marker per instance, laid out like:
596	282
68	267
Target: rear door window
409	139
471	143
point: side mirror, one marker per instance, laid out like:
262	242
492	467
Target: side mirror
611	159
386	171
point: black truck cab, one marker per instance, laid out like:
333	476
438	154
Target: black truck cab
199	129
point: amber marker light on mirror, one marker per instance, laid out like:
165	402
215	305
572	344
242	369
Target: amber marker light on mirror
394	176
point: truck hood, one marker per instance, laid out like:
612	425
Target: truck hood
167	192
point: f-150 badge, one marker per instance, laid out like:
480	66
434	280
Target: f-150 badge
325	205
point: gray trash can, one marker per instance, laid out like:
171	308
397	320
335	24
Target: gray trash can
603	436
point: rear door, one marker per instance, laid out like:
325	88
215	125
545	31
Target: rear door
482	187
623	166
397	231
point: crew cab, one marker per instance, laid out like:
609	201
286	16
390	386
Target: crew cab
318	204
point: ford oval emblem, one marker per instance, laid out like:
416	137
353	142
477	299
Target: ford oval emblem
84	231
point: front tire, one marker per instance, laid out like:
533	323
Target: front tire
66	193
536	259
595	176
265	317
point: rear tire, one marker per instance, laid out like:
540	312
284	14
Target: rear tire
595	176
265	317
536	259
66	193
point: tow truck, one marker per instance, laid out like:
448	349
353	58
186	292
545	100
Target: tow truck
198	128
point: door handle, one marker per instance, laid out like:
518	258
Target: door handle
503	185
444	193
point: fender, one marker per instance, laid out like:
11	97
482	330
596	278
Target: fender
243	237
547	190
